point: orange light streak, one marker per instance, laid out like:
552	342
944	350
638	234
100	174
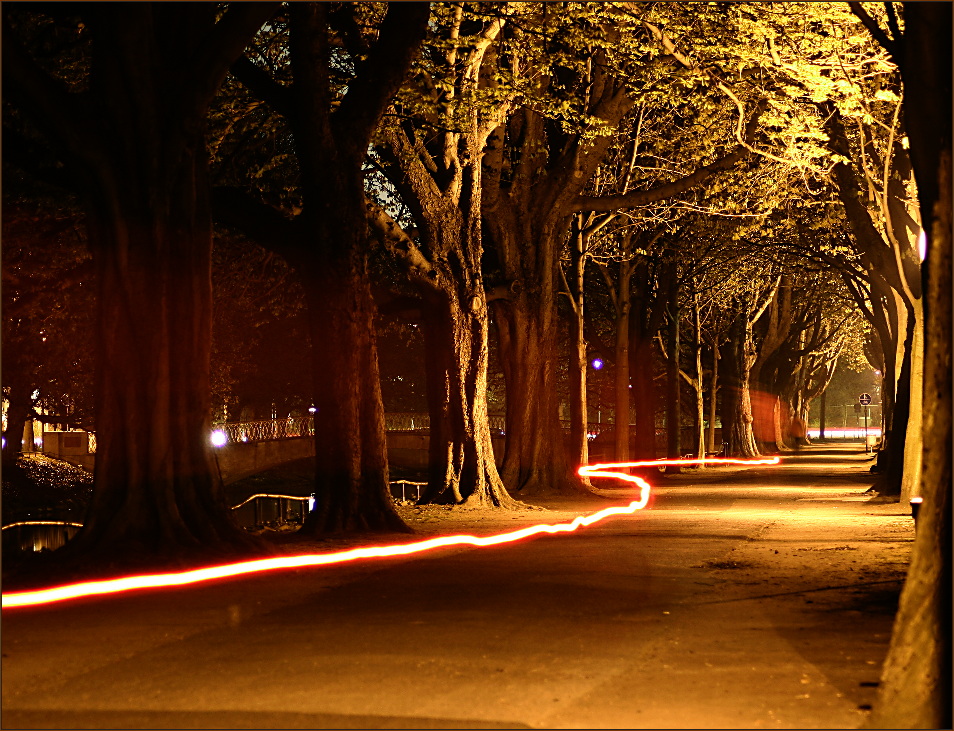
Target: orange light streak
41	522
195	576
270	495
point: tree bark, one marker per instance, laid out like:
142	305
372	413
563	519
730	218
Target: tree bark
579	437
135	142
915	690
737	357
673	390
622	372
330	250
713	395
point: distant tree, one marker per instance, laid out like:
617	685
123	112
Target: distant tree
47	321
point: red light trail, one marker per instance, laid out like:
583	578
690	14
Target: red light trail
195	576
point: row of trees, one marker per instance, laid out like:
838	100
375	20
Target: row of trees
729	182
560	138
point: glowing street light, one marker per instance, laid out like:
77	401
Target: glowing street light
597	364
219	438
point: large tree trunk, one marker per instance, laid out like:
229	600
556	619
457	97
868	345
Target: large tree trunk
535	460
891	459
351	478
644	397
330	249
915	689
647	312
446	270
155	490
737	358
621	371
461	467
135	140
911	459
527	242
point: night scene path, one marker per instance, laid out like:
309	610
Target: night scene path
740	598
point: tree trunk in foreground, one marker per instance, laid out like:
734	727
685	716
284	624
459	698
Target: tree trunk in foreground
155	489
135	141
330	250
351	479
916	680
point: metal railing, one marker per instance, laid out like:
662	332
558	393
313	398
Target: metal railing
264	430
267	429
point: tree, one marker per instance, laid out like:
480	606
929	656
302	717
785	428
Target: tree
432	156
47	307
915	691
128	120
343	79
537	168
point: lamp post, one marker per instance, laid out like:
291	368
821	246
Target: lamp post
597	364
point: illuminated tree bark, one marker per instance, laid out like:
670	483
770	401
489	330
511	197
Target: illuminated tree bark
438	176
915	690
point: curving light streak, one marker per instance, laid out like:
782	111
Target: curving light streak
195	576
149	581
270	495
593	470
41	522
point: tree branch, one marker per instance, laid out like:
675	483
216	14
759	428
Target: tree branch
226	41
662	192
257	221
378	77
398	242
891	46
261	84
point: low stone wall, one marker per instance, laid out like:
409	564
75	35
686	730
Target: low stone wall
238	461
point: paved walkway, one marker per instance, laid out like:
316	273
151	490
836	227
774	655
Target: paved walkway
752	598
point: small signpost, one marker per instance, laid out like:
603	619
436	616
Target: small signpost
865	399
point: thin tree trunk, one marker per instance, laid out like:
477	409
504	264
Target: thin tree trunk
673	390
713	395
579	441
699	386
622	379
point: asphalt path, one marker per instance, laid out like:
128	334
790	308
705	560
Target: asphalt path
741	598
